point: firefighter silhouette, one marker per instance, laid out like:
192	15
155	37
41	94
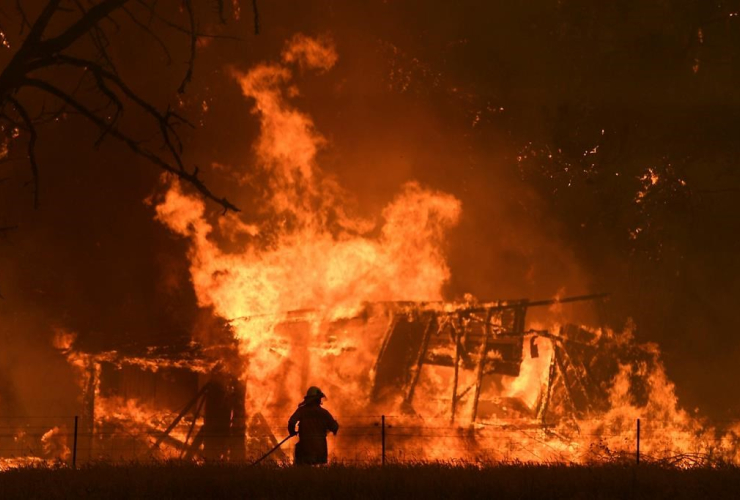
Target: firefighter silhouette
314	422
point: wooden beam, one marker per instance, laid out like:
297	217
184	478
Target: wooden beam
419	361
482	354
180	416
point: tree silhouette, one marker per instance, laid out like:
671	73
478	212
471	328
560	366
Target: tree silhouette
75	35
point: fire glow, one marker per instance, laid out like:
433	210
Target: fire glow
318	257
316	296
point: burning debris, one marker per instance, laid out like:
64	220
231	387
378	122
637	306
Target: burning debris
308	294
475	368
478	341
469	380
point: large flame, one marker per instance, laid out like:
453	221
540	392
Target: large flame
317	256
304	252
302	282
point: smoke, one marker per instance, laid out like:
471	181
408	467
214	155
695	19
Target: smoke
319	256
305	249
445	98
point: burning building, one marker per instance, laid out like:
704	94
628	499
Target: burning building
306	293
468	380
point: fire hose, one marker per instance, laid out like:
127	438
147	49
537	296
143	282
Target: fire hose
272	450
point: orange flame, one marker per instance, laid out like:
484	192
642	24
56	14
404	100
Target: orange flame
321	259
293	292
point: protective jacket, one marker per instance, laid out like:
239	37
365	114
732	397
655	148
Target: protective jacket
314	422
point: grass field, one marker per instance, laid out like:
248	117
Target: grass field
425	481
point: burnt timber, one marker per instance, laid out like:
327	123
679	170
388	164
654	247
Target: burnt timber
483	339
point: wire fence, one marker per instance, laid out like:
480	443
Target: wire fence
372	439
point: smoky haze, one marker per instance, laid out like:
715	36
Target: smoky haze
543	120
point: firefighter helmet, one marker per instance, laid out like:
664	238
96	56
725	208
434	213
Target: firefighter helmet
314	392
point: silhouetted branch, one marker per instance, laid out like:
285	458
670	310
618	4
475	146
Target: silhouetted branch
256	13
193	43
38	51
154	15
31	147
180	172
24	20
149	32
88	21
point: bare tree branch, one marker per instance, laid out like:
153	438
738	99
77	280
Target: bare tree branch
95	20
153	15
91	18
164	120
193	43
149	32
41	23
191	177
24	20
31	147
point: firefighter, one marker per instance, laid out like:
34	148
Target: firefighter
314	424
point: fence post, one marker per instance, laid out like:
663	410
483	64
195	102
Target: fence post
638	442
382	439
74	446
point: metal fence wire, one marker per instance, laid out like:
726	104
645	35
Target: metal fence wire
368	439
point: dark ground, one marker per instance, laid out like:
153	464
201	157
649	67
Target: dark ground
403	481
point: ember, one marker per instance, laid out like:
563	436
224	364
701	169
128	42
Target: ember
311	287
313	295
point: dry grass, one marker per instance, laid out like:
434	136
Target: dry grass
428	481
